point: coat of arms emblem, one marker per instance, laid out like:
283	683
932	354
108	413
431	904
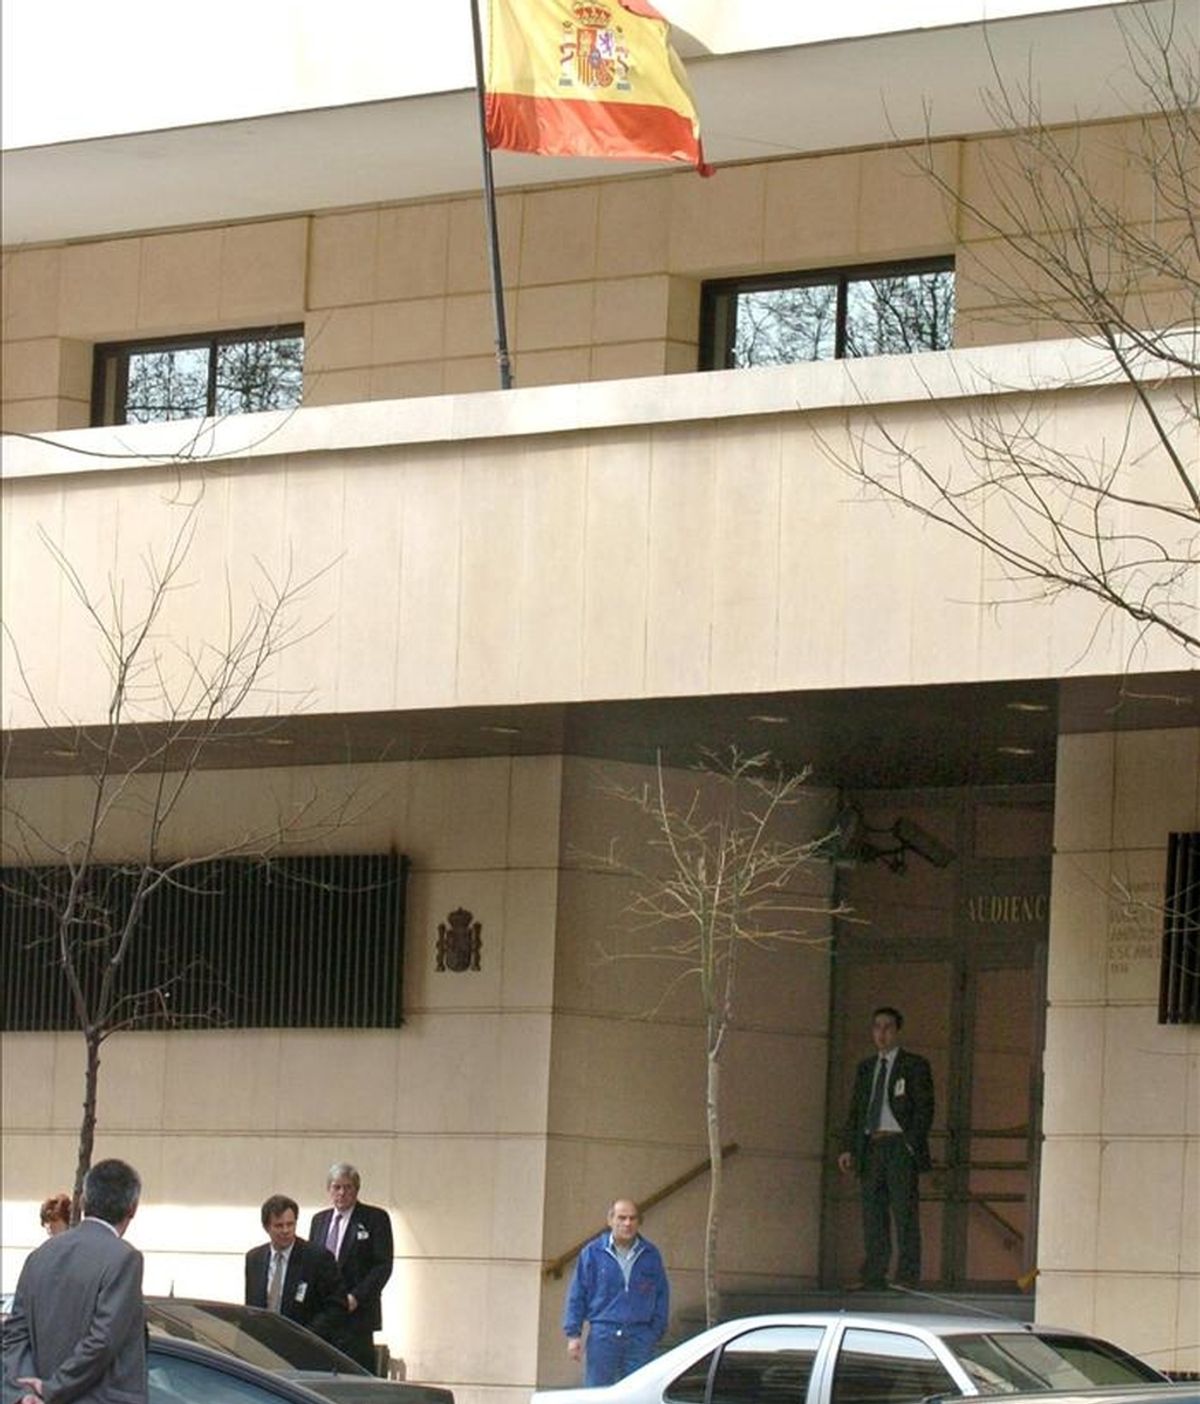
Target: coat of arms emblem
593	52
459	942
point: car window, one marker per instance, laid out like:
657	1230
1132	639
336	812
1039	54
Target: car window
175	1381
769	1366
1009	1361
887	1367
689	1387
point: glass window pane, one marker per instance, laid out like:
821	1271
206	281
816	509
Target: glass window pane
780	326
897	316
259	375
885	1367
768	1366
167	385
174	1381
1005	1363
689	1387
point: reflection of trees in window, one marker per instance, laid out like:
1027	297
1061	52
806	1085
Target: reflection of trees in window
191	377
776	327
259	375
895	310
897	316
166	385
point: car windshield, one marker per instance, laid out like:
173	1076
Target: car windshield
1008	1362
260	1337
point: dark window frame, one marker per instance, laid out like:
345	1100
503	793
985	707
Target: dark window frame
116	354
718	300
1179	961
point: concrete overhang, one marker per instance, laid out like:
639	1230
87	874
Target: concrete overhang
755	104
987	733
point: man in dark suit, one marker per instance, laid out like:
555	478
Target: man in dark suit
300	1280
78	1326
886	1139
360	1236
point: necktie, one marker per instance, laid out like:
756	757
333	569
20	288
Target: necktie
331	1238
875	1110
275	1285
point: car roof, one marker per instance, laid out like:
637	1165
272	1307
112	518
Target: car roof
184	1310
350	1382
282	1386
939	1323
942	1326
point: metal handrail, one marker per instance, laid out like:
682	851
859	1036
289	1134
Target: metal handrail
1009	1228
554	1268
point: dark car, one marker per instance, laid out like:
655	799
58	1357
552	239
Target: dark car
840	1358
181	1372
265	1341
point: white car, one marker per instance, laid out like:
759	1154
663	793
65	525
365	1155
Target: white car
840	1358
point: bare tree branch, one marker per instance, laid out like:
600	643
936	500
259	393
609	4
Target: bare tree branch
170	705
1093	232
724	873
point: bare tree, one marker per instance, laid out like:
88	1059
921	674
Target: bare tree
170	706
1092	233
728	876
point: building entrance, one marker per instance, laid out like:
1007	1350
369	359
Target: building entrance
972	997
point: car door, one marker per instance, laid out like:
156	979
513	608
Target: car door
765	1365
887	1367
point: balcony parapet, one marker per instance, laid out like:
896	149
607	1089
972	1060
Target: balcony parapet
1043	367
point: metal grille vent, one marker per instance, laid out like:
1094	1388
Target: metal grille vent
1179	983
238	943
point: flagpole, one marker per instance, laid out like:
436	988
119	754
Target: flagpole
489	211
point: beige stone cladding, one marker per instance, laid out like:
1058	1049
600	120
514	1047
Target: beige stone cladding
628	1066
1122	1113
496	1122
446	1116
602	278
563	545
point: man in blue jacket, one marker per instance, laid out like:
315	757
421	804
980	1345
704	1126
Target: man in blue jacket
619	1288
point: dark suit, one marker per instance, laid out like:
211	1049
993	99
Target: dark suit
365	1262
888	1165
313	1293
77	1322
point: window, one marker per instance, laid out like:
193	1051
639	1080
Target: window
174	1380
1179	978
248	943
692	1385
885	1367
143	382
769	1366
1011	1362
894	309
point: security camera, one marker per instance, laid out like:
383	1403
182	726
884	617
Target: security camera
845	845
923	843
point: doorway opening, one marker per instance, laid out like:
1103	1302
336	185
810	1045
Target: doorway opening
961	952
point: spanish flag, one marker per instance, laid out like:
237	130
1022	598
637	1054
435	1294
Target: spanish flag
588	78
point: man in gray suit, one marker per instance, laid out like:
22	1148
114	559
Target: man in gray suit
78	1326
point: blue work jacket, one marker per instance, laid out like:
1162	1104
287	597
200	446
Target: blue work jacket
598	1293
